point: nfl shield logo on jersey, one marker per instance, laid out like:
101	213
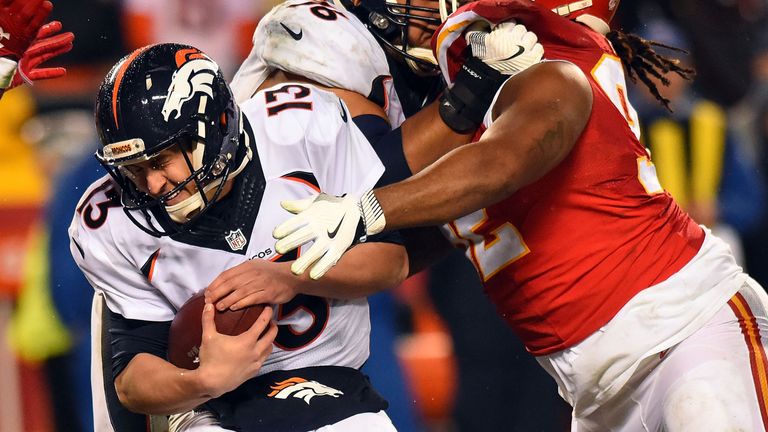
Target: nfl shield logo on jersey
236	240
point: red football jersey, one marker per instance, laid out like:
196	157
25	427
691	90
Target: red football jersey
560	257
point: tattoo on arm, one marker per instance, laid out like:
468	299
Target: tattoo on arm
553	140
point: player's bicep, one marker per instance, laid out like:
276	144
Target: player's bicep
539	116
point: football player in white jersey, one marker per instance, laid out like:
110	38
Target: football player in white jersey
194	189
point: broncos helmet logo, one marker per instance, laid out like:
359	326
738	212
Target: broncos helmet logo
302	389
195	73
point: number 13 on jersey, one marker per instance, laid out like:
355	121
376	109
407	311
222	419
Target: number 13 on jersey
491	245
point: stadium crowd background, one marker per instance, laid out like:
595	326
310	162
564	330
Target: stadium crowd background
440	355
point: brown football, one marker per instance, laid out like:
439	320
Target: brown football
187	329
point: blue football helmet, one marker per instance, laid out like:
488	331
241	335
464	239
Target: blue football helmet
161	96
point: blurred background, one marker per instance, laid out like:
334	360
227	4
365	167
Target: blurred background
439	353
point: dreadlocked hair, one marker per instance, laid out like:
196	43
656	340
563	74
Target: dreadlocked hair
642	62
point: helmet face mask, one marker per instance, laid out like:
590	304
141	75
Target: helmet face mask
137	201
161	97
391	22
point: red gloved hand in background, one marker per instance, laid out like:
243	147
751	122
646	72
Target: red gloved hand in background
47	45
20	21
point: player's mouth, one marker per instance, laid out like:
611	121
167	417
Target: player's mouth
174	198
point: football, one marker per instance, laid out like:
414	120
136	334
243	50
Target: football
187	330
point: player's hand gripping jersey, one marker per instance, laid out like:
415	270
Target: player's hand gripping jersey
323	43
304	142
562	256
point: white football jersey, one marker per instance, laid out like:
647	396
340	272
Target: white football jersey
304	142
329	45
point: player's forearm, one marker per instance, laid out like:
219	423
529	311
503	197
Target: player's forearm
426	138
365	270
469	178
534	131
151	385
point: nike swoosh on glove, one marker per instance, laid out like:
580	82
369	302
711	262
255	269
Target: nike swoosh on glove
333	223
509	47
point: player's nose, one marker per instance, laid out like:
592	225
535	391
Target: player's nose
156	182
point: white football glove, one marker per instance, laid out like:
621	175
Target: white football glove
509	47
334	224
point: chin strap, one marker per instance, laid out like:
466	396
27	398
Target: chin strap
180	212
444	11
424	55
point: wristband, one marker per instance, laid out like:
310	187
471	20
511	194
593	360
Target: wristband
463	106
372	216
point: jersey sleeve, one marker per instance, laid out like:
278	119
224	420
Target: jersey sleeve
323	43
344	162
101	252
319	138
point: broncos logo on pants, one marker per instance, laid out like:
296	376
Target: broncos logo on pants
302	389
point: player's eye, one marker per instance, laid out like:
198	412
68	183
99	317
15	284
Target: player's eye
134	170
160	164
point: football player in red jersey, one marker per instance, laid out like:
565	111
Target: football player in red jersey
641	316
25	42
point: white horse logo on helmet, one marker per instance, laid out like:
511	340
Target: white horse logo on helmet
300	388
195	74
